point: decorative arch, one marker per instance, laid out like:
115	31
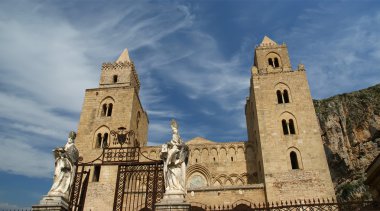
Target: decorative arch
288	123
274	60
232	154
240	154
294	158
106	106
197	174
101	137
214	155
282	92
223	154
195	156
204	155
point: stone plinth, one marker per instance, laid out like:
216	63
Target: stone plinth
173	200
52	203
173	207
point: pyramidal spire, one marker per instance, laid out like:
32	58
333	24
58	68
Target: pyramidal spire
124	57
268	41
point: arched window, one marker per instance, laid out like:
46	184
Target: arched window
98	140
214	159
96	175
270	62
232	159
196	160
286	96
291	127
109	111
104	109
285	127
114	79
294	160
279	97
276	64
105	140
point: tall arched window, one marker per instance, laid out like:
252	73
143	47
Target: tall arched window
291	127
109	111
104	110
98	140
270	62
286	96
294	160
285	127
276	63
105	140
279	97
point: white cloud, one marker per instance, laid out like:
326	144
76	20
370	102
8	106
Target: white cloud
340	55
21	158
49	58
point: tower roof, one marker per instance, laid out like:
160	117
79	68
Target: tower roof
268	41
124	56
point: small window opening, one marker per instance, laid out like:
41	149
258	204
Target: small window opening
196	160
214	159
276	63
286	96
291	127
279	97
96	176
105	140
104	109
98	140
115	79
294	160
138	119
270	62
285	127
232	159
109	111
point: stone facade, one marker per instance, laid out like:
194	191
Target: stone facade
283	158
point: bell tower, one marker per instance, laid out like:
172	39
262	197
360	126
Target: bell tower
283	128
114	104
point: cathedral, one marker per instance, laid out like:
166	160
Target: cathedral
283	158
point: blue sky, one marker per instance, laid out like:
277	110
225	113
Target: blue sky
193	59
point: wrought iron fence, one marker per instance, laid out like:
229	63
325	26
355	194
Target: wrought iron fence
297	205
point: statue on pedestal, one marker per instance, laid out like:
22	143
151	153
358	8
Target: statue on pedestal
65	159
175	156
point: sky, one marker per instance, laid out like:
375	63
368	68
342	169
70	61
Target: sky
193	59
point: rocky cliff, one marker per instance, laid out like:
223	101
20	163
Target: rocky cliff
350	128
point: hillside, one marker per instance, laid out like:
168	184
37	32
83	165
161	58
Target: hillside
350	128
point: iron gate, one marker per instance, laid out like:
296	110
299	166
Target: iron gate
139	186
79	190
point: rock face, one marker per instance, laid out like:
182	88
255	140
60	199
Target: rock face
350	128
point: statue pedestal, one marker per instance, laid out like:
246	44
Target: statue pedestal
52	203
173	200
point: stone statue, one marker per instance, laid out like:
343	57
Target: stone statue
65	159
175	156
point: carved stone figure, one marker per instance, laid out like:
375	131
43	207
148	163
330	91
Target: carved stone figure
65	159
175	157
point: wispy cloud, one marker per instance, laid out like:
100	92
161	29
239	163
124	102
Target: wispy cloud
340	55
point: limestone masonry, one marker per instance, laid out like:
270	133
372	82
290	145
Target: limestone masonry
283	158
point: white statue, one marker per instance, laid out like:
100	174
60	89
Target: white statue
65	159
175	156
